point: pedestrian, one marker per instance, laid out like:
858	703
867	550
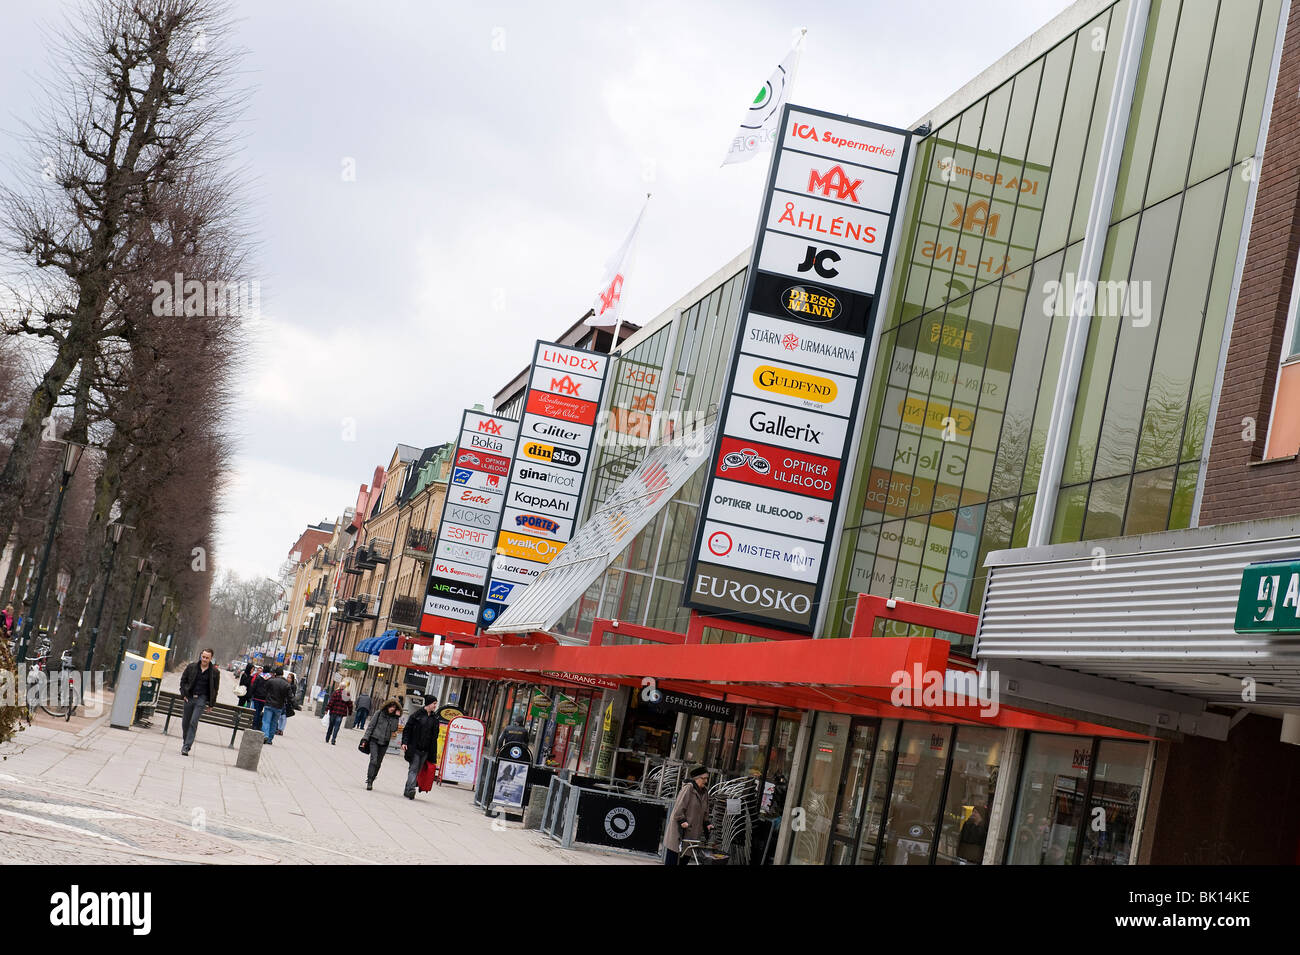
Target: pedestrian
246	681
338	708
513	735
199	684
257	690
275	696
363	710
687	819
290	706
420	742
380	733
7	621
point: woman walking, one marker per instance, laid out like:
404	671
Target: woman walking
338	708
380	733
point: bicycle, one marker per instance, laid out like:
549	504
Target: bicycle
56	699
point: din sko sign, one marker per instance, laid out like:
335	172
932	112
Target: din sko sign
1269	599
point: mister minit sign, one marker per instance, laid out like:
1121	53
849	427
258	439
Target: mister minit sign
796	369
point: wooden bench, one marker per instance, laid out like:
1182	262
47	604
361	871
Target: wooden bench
221	714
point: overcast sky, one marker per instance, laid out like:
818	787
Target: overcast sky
501	152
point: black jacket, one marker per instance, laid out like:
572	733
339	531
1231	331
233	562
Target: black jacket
192	675
421	733
257	688
275	692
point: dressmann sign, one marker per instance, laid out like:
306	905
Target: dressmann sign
548	471
471	514
796	376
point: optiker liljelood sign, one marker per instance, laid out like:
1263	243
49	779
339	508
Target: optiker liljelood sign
548	472
797	369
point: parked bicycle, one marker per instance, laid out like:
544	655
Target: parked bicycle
57	696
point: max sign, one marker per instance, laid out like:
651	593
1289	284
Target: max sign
471	514
797	370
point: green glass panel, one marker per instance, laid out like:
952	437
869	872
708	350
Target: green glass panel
1180	324
1071	503
1182	100
1230	60
1148	94
1148	503
1261	63
1180	514
1051	371
1051	100
1105	517
1024	516
1109	55
1067	161
1133	356
1095	373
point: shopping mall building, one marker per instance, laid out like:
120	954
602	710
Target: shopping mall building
1078	432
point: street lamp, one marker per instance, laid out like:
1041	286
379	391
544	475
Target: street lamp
71	458
115	531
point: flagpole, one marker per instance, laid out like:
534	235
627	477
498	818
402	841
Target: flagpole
618	324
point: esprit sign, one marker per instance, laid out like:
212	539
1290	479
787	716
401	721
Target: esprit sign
1269	598
549	470
797	369
471	514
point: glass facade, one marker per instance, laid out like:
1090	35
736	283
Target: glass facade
962	390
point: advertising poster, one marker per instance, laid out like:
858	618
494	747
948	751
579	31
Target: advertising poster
508	790
461	751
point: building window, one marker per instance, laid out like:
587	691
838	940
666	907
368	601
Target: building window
1284	421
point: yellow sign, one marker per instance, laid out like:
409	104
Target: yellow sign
528	548
936	415
795	384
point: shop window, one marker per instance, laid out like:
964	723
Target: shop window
915	795
964	828
821	784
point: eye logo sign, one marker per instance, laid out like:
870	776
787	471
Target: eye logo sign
720	544
795	384
746	457
811	303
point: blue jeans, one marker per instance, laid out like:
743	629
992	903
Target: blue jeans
257	712
360	718
332	731
270	720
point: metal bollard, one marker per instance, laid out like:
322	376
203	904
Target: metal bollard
250	749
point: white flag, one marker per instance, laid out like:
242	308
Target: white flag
758	128
609	300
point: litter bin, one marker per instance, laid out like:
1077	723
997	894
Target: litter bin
148	701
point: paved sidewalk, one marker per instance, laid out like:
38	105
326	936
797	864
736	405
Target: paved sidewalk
99	794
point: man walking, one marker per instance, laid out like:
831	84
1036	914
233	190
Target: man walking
275	697
199	685
363	710
257	690
419	740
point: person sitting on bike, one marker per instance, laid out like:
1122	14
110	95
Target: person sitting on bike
687	819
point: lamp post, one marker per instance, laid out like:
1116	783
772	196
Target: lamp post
71	458
115	530
126	627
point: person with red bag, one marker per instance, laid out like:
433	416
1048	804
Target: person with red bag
420	746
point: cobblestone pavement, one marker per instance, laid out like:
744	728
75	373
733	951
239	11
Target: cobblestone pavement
95	794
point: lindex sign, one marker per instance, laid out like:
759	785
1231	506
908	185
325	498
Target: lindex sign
471	513
797	369
1269	599
547	474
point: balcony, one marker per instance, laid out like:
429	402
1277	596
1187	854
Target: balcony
308	636
318	598
352	566
419	543
372	553
405	614
323	558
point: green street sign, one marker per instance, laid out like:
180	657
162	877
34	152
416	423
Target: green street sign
1269	599
354	665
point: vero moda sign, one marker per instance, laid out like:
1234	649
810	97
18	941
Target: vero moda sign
471	513
797	369
548	472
